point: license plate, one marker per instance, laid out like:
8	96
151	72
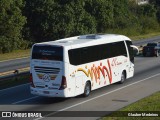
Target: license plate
46	92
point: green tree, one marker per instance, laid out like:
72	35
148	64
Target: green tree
55	19
156	3
102	11
11	24
122	15
49	20
39	14
83	21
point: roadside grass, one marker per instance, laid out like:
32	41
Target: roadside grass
150	104
15	54
144	36
14	81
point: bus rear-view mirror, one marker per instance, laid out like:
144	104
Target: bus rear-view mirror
135	50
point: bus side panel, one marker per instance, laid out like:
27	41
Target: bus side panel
75	83
70	90
99	73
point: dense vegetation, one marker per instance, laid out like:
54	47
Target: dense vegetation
23	22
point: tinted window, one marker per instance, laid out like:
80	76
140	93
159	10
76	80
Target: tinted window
84	55
105	51
98	52
74	56
117	49
47	53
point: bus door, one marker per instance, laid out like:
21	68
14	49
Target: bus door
78	85
131	59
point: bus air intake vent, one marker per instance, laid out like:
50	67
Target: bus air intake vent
47	70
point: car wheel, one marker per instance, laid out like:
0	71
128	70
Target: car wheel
87	89
157	54
123	77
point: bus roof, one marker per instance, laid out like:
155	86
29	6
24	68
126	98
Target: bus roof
87	40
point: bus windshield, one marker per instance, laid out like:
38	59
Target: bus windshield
47	52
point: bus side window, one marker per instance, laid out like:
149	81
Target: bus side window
74	56
95	53
105	51
84	55
117	49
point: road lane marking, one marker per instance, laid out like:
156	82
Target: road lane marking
12	71
14	87
6	73
20	100
25	100
14	59
66	108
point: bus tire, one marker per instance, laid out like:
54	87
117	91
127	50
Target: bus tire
87	89
123	77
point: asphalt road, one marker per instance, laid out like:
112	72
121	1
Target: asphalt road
22	63
14	64
144	41
110	98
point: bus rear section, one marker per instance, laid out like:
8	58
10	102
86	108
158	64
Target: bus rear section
47	75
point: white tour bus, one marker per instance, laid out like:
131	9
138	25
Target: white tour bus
77	65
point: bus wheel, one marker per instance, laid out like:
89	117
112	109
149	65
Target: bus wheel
87	89
123	77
